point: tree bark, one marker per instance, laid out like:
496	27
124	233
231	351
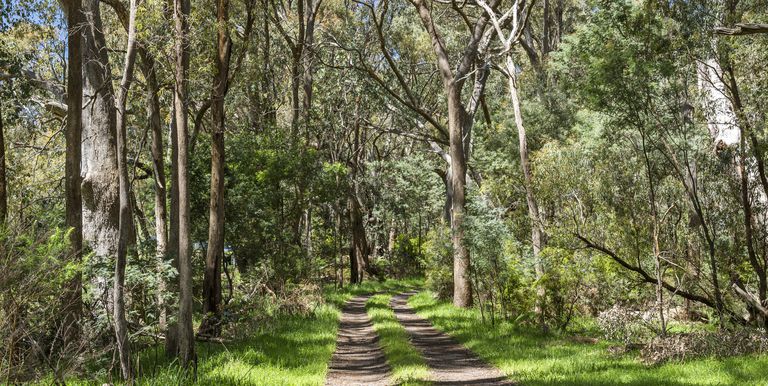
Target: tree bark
215	255
185	335
126	214
460	121
172	332
358	255
462	287
100	191
158	169
72	299
743	29
359	243
538	236
3	178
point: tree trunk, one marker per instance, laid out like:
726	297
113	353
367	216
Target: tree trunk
354	266
295	86
462	286
99	188
215	255
100	191
460	121
308	236
359	242
748	223
310	11
337	237
158	169
125	214
186	348
172	332
72	299
3	178
538	236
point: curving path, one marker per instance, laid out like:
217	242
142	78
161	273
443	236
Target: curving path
358	359
449	361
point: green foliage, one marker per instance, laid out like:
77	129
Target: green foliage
33	272
439	260
534	359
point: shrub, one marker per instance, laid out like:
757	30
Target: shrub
439	262
705	343
32	275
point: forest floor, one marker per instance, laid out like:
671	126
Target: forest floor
415	339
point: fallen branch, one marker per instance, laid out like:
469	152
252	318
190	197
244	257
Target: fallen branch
210	339
743	29
749	298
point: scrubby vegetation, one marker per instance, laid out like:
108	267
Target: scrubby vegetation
533	358
189	191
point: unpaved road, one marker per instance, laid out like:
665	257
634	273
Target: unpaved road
449	361
358	359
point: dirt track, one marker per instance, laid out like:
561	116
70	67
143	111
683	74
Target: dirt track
449	361
358	359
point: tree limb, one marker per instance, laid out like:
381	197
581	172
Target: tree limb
645	276
743	29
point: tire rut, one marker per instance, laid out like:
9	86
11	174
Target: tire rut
358	359
449	361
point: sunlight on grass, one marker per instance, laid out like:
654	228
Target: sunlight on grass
287	350
408	367
535	359
292	350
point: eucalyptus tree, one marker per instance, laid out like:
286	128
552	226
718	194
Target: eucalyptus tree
150	70
221	82
459	113
100	189
126	226
74	202
519	19
184	333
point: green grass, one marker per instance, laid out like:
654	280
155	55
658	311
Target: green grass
535	359
291	350
338	298
286	350
408	367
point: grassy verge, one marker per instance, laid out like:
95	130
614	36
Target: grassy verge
286	350
291	350
534	359
408	367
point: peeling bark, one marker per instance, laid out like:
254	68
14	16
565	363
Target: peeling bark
100	190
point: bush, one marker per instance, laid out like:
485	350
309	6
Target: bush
33	272
439	262
705	343
622	324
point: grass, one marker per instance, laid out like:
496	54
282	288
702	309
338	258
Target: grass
408	367
292	350
287	350
535	359
338	298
